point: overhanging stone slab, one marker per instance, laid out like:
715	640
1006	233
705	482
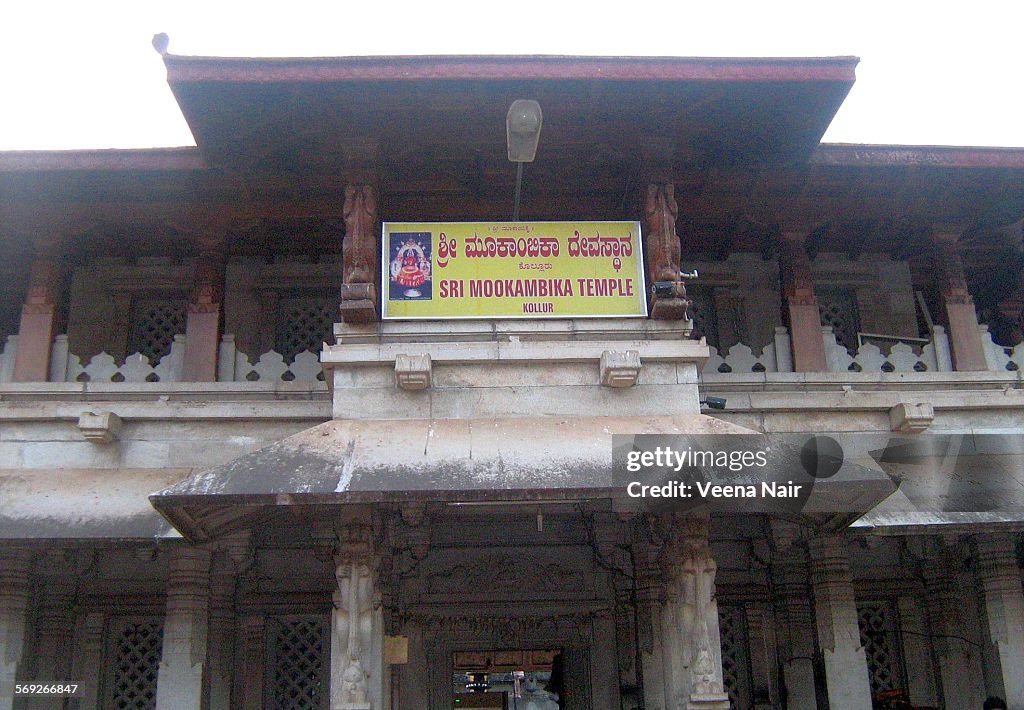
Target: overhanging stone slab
363	461
83	503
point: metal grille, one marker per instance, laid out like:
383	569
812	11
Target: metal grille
304	324
702	311
839	309
154	325
879	637
732	627
296	665
133	662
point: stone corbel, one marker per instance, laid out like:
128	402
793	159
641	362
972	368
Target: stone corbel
620	369
413	372
99	427
911	418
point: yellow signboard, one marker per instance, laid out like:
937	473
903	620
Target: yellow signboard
512	270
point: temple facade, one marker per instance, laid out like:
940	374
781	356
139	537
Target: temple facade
227	482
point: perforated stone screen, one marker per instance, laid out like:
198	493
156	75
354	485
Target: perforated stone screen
154	325
879	635
132	662
297	663
304	324
732	626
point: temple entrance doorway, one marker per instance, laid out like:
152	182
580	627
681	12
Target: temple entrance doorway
509	680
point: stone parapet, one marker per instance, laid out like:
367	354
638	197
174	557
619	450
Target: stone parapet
502	368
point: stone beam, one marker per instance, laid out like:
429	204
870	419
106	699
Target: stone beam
964	335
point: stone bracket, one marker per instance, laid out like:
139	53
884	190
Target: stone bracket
100	427
413	372
620	368
911	418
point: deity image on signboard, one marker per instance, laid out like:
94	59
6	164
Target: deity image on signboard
410	266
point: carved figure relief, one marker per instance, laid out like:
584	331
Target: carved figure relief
663	250
359	248
353	631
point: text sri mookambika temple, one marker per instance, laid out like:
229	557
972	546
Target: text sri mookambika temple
511	382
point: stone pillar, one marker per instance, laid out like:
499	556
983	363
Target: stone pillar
1004	609
958	661
649	603
53	622
358	675
796	633
360	255
222	632
763	661
15	595
917	652
39	314
88	661
835	611
251	659
801	304
692	642
183	662
202	330
964	335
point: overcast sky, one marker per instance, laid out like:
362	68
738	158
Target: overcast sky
84	74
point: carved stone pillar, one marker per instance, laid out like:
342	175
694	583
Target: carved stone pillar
88	661
183	662
835	611
230	559
964	335
202	329
15	595
1004	608
358	674
649	602
251	659
360	254
692	632
958	661
801	304
53	622
667	291
39	314
796	628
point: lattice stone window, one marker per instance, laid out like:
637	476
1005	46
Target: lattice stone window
879	635
297	664
304	324
702	311
732	626
154	325
132	661
838	308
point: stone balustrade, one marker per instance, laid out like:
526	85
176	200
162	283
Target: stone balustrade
236	366
902	357
1000	357
67	367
